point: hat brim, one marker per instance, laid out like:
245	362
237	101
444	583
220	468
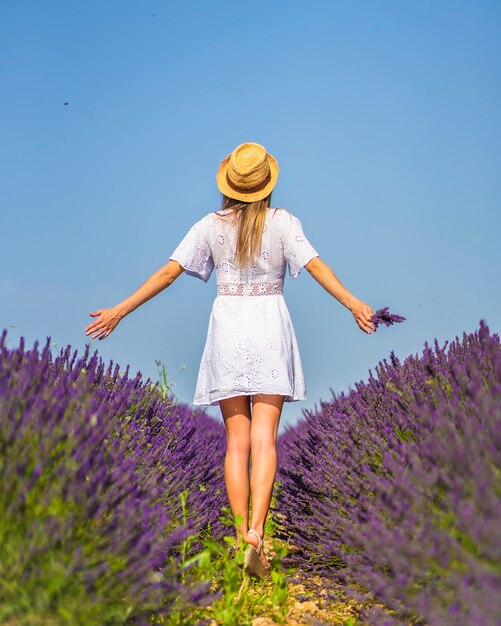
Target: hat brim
246	197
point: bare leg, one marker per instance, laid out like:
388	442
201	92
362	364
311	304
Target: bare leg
266	411
237	418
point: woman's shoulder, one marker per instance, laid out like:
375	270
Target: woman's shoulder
276	214
282	212
282	216
215	220
219	213
210	217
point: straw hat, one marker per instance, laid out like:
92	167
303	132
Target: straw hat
249	173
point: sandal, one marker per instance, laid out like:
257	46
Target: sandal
252	560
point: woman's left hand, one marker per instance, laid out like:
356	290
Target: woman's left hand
362	313
107	321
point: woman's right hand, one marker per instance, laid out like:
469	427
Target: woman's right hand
108	319
362	313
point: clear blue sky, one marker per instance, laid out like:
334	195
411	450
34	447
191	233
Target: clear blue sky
384	118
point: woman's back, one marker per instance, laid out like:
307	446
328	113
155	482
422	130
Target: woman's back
211	244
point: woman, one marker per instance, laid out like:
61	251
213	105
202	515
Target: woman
251	363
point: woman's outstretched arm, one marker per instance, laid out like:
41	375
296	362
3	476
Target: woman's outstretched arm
323	274
109	318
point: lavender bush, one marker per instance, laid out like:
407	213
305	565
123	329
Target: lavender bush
92	466
395	486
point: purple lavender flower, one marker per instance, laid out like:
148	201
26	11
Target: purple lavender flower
394	486
383	316
92	467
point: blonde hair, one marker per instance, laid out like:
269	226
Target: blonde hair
250	228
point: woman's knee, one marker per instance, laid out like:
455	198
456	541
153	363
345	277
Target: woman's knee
238	446
263	442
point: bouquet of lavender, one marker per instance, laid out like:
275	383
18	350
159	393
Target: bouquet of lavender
383	316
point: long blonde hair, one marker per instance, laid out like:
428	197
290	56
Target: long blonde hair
250	229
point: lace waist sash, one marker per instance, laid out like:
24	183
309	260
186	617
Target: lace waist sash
264	288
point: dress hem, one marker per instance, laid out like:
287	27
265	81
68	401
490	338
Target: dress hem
215	402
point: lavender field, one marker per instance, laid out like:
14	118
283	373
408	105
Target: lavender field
391	491
93	464
396	486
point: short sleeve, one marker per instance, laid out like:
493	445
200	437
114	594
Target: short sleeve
298	250
194	253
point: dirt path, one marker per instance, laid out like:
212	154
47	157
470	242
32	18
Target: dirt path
317	601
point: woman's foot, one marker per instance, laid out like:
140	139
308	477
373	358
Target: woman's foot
254	559
252	540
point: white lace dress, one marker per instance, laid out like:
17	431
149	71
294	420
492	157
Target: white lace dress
251	346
